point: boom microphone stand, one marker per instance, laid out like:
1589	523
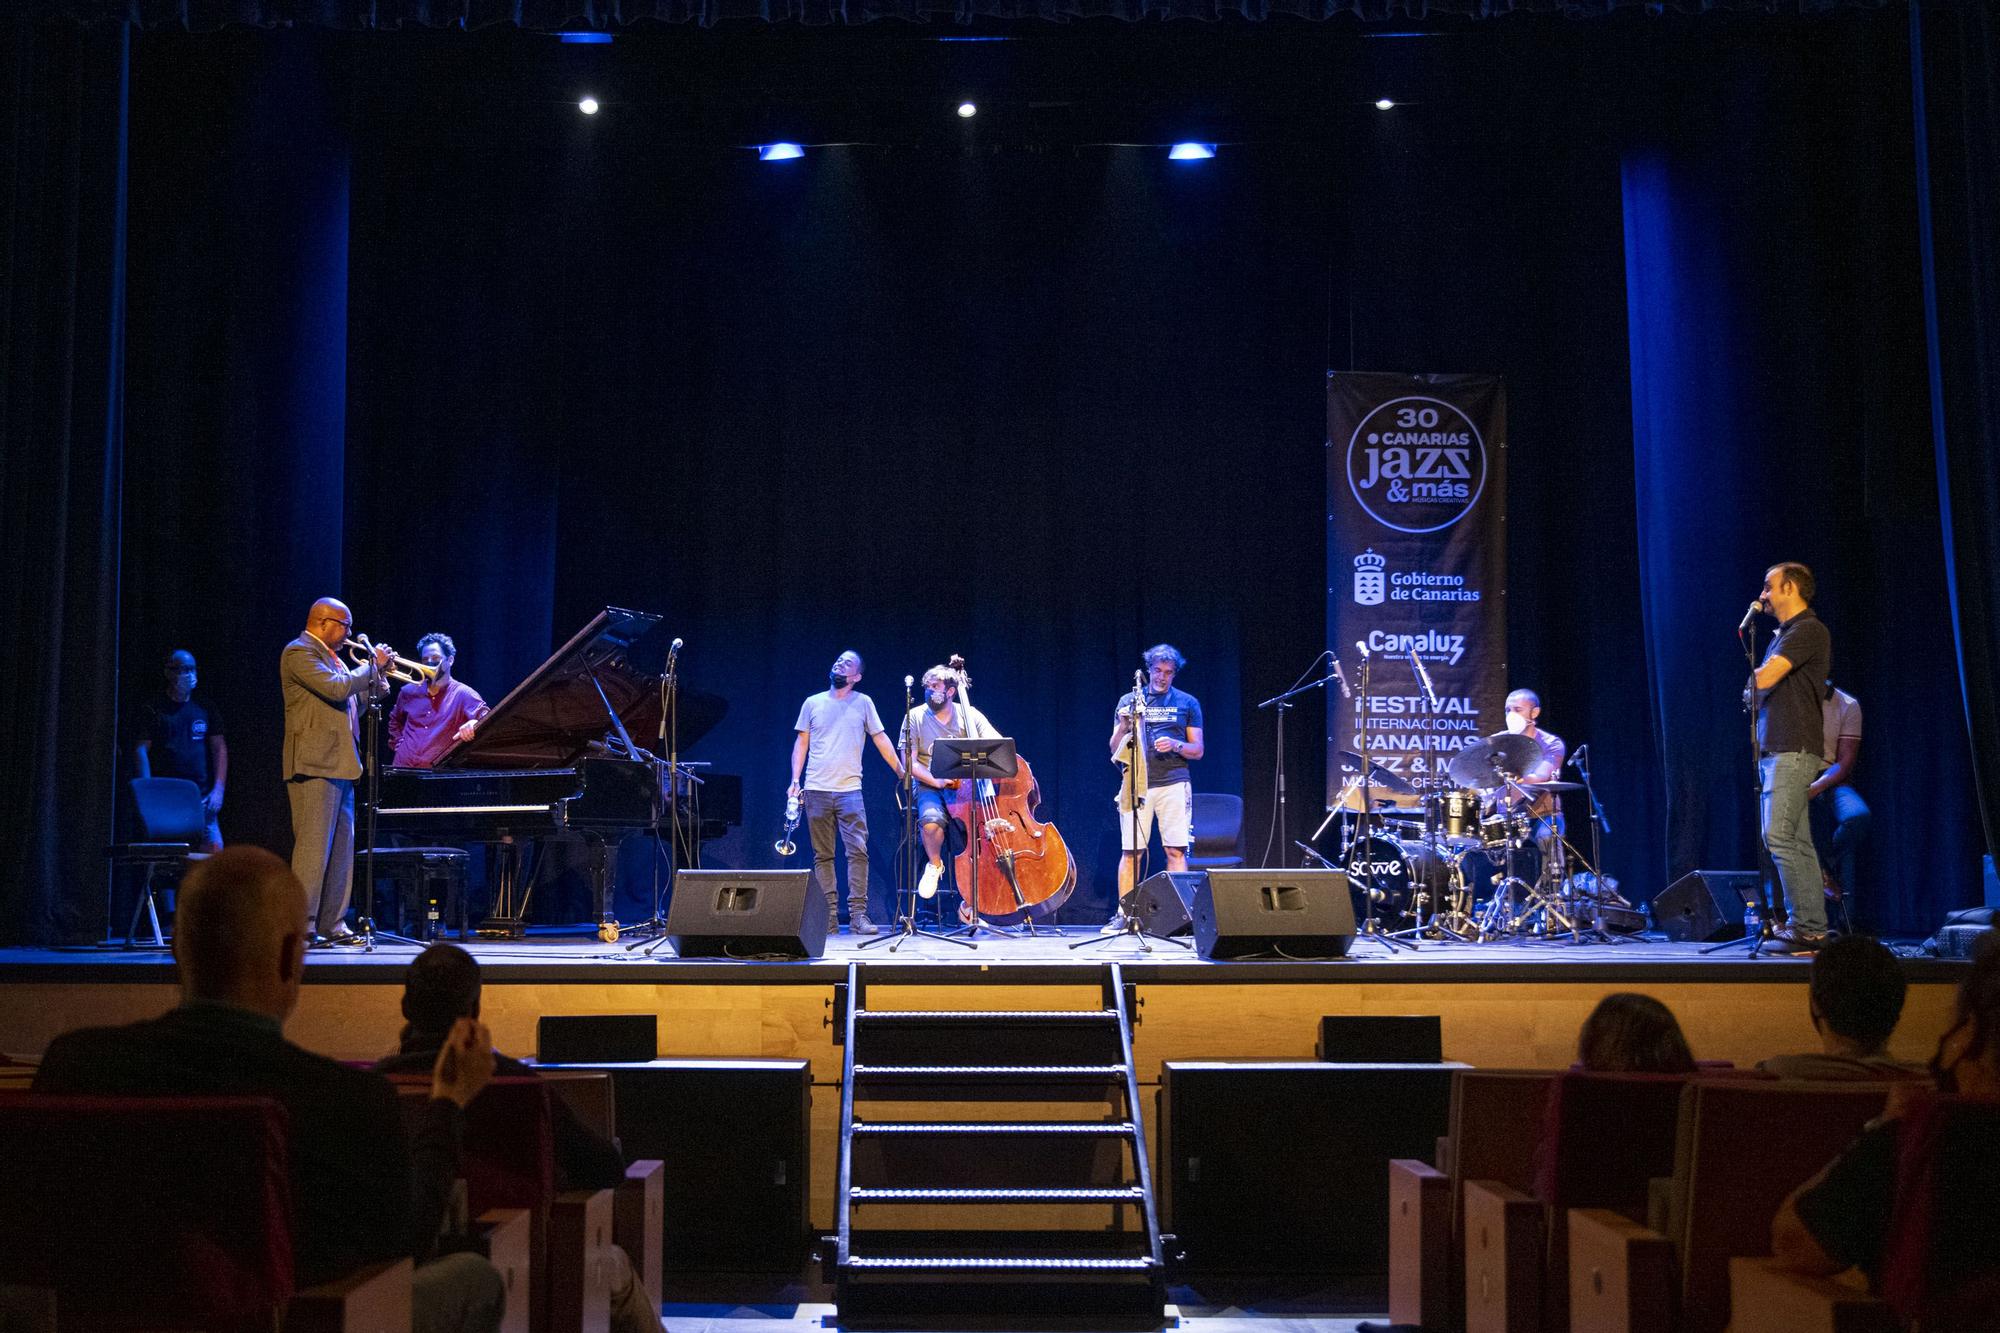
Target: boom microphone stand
371	800
1767	928
1370	927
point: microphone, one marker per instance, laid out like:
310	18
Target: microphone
1424	679
1341	676
1576	760
909	681
1361	648
1749	616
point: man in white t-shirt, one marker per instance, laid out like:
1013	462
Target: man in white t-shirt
1840	817
826	780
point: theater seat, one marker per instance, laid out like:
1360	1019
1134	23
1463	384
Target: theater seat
171	1213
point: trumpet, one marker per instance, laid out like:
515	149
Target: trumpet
785	846
403	670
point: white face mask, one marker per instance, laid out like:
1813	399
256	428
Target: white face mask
1517	723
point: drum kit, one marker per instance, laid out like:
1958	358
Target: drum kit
1464	856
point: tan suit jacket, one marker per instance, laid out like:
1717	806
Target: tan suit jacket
319	729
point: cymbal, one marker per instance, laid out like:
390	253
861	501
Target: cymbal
1378	776
1553	786
1481	764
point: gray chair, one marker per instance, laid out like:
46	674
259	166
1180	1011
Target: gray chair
173	822
1218	831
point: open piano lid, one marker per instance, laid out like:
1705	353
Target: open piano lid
551	719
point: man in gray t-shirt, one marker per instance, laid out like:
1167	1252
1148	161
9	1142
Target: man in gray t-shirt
826	779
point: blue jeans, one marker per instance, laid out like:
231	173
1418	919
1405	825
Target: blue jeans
1840	823
1788	834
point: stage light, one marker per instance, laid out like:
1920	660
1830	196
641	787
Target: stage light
1191	152
585	38
779	152
966	111
1383	104
588	106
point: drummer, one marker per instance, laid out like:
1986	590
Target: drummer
1524	712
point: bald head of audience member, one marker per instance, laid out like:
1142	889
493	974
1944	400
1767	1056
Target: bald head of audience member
240	932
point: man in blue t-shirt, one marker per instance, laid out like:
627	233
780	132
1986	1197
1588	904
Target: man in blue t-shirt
180	736
1172	721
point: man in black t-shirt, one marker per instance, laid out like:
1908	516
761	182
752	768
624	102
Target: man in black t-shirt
180	736
1789	685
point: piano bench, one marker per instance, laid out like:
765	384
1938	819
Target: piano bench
438	874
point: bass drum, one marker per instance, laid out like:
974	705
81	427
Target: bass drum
1398	873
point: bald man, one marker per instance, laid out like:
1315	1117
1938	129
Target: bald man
363	1191
322	724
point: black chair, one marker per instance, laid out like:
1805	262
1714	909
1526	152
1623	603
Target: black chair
1218	831
173	822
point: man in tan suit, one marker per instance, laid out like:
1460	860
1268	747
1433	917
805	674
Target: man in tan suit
322	723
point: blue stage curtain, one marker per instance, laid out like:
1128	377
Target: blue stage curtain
1777	377
1956	77
208	15
62	224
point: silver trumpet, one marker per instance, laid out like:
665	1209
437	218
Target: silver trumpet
403	670
785	846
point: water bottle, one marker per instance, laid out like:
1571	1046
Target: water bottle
1753	921
431	921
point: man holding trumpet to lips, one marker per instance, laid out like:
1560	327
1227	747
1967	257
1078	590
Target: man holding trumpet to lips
322	724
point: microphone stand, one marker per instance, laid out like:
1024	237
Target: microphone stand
906	920
1130	927
654	927
1767	930
1282	703
371	800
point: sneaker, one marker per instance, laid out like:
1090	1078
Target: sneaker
1116	925
927	883
1786	940
965	914
344	938
859	924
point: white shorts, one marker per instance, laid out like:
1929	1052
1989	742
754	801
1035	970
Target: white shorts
1172	803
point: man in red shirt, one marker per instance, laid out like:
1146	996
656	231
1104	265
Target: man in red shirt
430	716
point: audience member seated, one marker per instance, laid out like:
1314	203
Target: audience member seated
440	991
1855	1000
1629	1033
1840	1219
364	1192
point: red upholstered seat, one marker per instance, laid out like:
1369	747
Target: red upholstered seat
178	1210
1941	1268
1604	1136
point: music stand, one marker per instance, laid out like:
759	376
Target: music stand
980	758
912	854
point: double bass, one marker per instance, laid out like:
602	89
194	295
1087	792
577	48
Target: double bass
1024	869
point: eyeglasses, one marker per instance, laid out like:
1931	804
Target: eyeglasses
336	620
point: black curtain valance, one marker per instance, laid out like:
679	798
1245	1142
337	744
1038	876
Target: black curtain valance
610	15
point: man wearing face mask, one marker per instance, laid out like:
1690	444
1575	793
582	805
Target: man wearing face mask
430	716
939	717
826	779
1173	739
1524	713
180	736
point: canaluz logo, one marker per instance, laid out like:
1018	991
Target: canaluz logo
1416	464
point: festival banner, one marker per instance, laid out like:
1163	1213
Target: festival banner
1416	549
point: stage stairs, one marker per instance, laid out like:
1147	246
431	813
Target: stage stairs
959	1124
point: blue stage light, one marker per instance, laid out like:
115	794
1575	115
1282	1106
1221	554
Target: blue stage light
586	38
1191	152
779	152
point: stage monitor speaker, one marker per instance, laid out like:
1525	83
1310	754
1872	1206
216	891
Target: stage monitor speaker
1301	914
570	1039
1164	903
1706	905
746	914
1387	1039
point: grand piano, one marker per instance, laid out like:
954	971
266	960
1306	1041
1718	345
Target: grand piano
564	754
